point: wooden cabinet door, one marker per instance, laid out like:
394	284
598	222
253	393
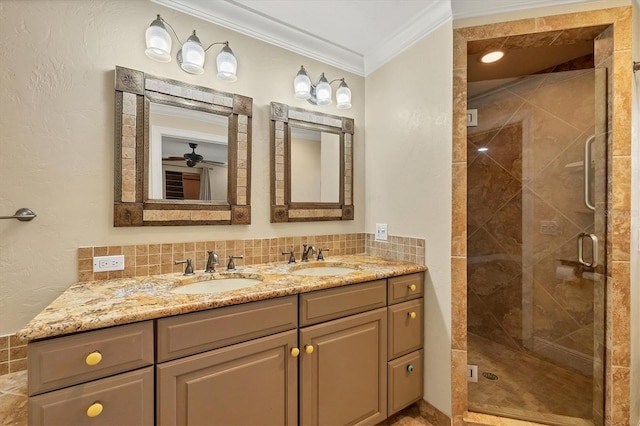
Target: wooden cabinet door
344	380
123	399
251	383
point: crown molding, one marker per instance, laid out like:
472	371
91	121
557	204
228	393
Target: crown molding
422	25
235	17
498	7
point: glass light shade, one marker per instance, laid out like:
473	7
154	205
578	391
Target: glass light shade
193	55
158	41
343	96
302	85
323	91
227	65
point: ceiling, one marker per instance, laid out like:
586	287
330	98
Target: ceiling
357	36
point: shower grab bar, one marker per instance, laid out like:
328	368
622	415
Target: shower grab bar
23	215
594	250
587	173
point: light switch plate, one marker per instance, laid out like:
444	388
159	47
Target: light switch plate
472	373
381	232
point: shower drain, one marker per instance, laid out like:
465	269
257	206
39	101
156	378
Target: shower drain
489	376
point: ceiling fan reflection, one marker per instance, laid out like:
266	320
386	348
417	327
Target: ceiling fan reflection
192	158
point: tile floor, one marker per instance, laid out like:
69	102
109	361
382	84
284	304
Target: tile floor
527	387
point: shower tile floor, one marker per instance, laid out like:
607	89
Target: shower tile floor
528	388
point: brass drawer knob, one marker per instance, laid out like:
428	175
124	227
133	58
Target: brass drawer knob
308	349
93	358
412	315
295	352
410	368
412	287
94	409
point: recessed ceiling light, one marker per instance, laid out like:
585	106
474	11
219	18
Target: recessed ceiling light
483	149
490	57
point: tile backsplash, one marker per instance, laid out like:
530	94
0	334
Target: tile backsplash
13	355
154	259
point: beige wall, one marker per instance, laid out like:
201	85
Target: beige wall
56	141
408	179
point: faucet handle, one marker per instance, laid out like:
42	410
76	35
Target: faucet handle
320	250
188	270
292	257
231	266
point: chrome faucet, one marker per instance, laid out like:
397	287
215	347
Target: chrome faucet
305	252
212	262
231	266
188	270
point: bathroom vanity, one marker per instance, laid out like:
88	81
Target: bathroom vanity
312	350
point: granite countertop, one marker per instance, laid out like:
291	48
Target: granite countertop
96	304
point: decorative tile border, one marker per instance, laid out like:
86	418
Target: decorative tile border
13	355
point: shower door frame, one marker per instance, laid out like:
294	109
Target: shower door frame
617	362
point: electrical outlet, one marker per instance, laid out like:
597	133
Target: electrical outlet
381	231
472	373
108	263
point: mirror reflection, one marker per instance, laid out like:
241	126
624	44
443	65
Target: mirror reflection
315	166
188	154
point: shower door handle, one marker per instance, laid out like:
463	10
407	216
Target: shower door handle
587	174
594	250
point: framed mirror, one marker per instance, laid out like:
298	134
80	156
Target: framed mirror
183	153
311	165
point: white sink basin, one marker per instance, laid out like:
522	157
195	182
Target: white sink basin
323	271
216	286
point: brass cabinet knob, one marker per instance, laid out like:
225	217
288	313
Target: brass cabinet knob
94	409
412	287
308	349
295	352
93	358
412	315
409	368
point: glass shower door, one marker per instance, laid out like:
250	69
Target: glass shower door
537	168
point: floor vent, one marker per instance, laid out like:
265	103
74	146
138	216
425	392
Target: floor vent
489	376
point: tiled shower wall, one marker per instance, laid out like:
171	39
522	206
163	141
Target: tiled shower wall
525	203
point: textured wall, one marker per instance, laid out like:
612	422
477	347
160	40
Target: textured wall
57	61
408	157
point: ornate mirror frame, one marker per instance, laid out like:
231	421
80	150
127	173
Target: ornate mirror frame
282	208
132	206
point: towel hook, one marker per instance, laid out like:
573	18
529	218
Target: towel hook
23	215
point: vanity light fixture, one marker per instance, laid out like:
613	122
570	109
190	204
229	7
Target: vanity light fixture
320	93
191	55
491	57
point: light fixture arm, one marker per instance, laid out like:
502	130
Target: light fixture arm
226	43
161	19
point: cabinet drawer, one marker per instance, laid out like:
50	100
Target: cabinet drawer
324	305
406	327
126	399
189	334
63	361
405	381
406	287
